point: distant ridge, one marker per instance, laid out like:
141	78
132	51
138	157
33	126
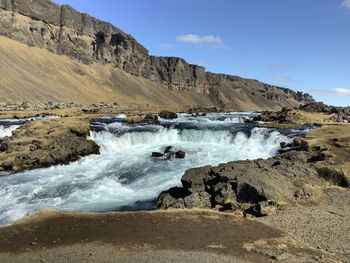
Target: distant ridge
89	41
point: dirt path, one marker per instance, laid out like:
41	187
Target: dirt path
192	236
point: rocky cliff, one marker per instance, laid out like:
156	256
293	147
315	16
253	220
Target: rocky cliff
65	31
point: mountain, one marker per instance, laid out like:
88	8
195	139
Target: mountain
50	52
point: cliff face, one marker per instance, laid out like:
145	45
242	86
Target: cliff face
63	30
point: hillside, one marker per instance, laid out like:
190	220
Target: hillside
54	53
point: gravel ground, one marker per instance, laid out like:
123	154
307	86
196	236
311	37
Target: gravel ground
325	226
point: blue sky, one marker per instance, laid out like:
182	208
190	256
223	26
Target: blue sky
299	44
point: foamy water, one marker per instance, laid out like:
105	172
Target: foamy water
125	174
6	131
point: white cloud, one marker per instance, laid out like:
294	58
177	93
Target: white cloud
340	92
346	4
196	39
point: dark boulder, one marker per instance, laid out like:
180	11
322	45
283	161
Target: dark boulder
152	119
4	145
193	179
198	200
246	185
223	194
180	154
157	154
172	198
170	153
8	166
167	115
250	192
168	149
263	208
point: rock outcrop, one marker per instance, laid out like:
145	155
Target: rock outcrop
63	30
254	187
46	143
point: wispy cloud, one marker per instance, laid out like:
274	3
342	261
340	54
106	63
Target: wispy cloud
340	92
167	46
345	4
286	79
241	70
283	79
277	68
196	39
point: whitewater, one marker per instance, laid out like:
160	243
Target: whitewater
125	176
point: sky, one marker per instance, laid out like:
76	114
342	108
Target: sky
299	44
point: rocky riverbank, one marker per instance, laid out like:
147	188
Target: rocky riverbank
307	182
45	143
261	186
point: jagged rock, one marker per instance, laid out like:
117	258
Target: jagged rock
167	115
7	166
198	200
319	156
193	179
223	194
172	198
180	154
301	143
246	185
316	107
260	209
150	119
4	145
157	154
170	153
168	149
46	143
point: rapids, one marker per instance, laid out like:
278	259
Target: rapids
125	176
